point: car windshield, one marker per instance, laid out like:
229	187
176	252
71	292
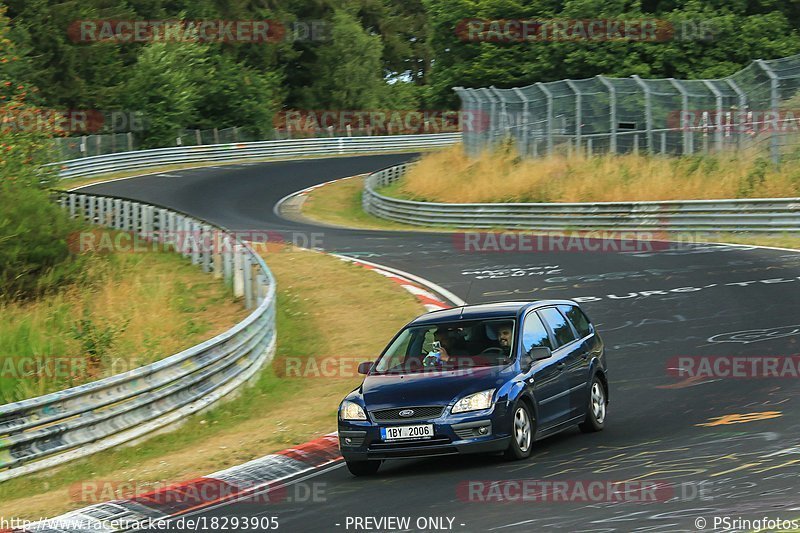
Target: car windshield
449	345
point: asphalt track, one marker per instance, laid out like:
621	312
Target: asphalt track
709	300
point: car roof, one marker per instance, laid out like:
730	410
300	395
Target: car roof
511	309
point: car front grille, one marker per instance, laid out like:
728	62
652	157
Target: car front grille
420	413
409	443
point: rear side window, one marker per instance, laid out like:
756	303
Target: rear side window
559	325
534	334
578	319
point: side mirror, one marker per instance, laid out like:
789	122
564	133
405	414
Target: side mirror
365	367
540	352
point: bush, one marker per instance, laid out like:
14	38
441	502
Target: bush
34	254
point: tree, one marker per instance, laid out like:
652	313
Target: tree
164	87
349	68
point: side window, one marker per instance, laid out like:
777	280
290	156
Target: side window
559	325
578	319
534	333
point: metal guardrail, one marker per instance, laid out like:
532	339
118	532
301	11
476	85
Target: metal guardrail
287	149
756	215
41	432
49	430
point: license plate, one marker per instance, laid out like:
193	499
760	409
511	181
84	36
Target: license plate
423	431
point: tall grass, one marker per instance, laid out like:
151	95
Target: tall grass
502	176
126	310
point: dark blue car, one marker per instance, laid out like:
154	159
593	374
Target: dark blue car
479	378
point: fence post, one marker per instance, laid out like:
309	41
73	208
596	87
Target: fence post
775	105
549	97
238	272
718	97
84	146
741	111
525	120
648	110
688	138
216	136
612	101
129	136
578	114
198	137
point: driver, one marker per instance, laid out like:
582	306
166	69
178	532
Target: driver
504	334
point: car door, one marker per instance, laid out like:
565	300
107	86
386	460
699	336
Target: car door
589	347
570	354
549	384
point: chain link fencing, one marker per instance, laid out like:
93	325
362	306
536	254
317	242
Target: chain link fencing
753	109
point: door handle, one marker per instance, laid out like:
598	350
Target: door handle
561	365
585	355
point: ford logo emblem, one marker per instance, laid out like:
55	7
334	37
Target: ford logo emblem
406	413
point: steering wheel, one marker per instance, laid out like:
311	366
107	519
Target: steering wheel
493	350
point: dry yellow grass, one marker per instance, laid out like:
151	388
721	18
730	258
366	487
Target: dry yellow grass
326	307
501	176
164	303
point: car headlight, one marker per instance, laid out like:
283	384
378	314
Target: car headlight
351	411
474	402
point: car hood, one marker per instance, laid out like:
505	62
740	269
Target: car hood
383	391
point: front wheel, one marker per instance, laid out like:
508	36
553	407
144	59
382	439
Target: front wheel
521	433
596	412
363	468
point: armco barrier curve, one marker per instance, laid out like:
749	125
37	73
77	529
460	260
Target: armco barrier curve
41	432
757	215
287	149
49	430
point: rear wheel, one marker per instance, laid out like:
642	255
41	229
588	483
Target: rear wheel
363	468
596	411
521	433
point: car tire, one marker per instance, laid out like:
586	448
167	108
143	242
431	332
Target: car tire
596	409
521	431
363	468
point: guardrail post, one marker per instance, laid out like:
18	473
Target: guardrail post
227	257
216	253
194	239
238	272
101	211
182	237
208	248
91	208
82	206
247	271
110	213
127	214
136	215
117	214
